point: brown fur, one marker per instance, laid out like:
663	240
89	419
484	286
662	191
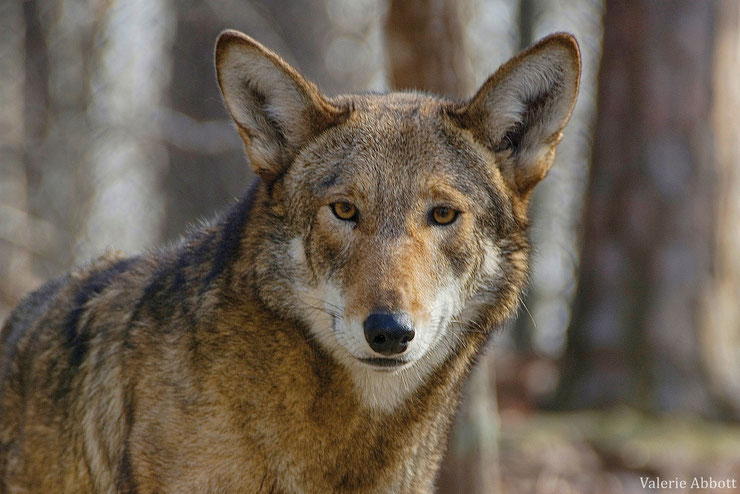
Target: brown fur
207	367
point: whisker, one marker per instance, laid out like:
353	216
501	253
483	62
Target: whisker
319	299
324	310
477	327
530	314
321	309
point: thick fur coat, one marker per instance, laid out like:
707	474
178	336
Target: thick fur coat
242	359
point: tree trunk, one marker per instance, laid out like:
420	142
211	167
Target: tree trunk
557	203
15	244
125	164
720	302
58	55
648	239
424	40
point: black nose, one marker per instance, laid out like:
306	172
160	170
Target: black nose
388	334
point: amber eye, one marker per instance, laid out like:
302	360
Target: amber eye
344	211
443	215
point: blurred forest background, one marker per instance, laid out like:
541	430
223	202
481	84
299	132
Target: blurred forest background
626	361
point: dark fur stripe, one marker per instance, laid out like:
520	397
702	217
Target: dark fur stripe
30	308
125	479
75	338
167	289
20	324
232	230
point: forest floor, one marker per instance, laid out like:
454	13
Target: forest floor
592	452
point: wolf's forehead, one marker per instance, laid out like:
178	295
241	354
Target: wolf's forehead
382	102
403	146
395	148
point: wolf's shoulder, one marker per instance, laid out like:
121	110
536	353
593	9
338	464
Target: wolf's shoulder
60	301
30	309
154	289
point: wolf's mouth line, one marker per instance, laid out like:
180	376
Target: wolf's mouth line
334	325
384	362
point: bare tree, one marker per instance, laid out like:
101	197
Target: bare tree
44	88
15	242
719	318
58	55
648	252
558	201
425	45
125	163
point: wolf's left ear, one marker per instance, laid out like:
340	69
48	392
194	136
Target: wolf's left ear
520	111
276	110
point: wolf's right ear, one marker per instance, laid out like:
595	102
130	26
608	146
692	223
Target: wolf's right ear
520	111
275	109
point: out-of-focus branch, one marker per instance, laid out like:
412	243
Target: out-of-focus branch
31	233
195	136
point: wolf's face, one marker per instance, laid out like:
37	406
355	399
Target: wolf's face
399	217
402	216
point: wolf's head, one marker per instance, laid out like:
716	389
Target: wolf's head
397	221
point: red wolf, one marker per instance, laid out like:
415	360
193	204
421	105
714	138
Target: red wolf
315	337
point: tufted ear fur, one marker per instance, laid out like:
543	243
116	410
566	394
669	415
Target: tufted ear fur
275	109
520	111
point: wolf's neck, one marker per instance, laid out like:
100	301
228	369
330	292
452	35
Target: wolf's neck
386	391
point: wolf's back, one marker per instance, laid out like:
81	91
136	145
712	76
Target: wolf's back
15	337
43	345
70	354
